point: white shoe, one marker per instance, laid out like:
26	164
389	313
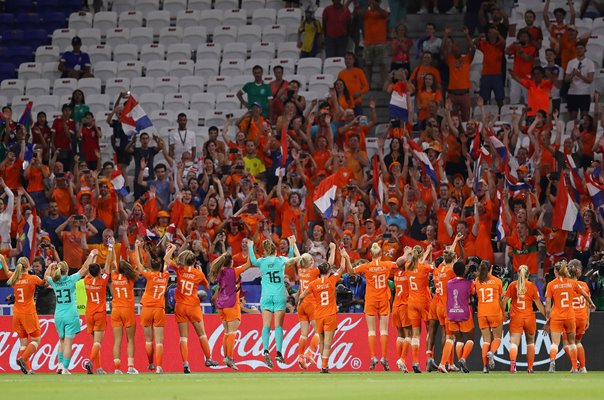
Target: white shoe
452	11
132	371
582	370
118	372
65	372
401	365
491	358
552	367
159	370
422	11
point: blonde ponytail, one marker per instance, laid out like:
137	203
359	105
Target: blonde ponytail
306	260
186	258
376	250
269	247
416	254
562	269
218	264
523	273
20	270
62	269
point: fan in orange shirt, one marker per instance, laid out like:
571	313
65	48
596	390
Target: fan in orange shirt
523	294
377	301
560	313
188	306
419	297
96	310
123	317
25	317
399	310
489	291
153	314
581	312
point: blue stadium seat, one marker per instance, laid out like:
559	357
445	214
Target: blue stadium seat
51	5
6	21
3	52
20	54
28	20
15	36
53	20
20	5
37	37
7	71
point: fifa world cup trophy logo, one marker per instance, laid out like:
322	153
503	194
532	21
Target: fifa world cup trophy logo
455	294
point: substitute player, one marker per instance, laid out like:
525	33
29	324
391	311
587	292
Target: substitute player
96	311
581	312
377	302
67	319
25	318
523	294
188	306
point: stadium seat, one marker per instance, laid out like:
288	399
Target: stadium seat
158	20
206	67
18	104
152	52
234	50
140	85
166	84
583	25
252	62
263	50
232	67
147	7
227	102
249	35
203	101
47	54
12	87
188	18
333	65
218	84
98	103
273	33
309	96
199	5
64	86
193	35
226	4
192	118
141	36
277	4
158	68
62	38
80	20
130	19
174	6
170	35
598	26
163	118
105	20
37	87
208	51
178	51
215	117
28	19
288	50
211	19
50	70
117	36
237	82
151	102
320	84
288	64
182	68
29	71
130	69
191	84
123	6
90	36
176	101
125	52
46	103
252	5
599	81
289	17
90	85
105	70
224	34
234	17
114	86
309	66
99	53
264	17
20	54
7	71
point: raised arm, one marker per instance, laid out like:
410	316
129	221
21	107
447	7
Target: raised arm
89	260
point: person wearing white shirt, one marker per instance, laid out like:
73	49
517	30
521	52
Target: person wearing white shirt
182	139
579	74
6	215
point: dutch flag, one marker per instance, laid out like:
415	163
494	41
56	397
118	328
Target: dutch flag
567	215
134	117
423	158
575	178
500	231
398	107
499	146
596	193
325	195
29	236
119	183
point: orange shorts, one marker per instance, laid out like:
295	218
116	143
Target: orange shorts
122	317
400	316
153	316
377	307
459	326
187	313
27	325
231	313
581	326
441	313
418	312
96	322
562	325
490	321
329	323
432	313
306	311
527	325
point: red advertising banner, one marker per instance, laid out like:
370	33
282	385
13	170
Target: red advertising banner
350	350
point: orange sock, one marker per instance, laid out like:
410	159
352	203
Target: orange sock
581	355
117	363
459	349
429	353
184	349
301	345
399	346
530	355
159	354
451	360
205	346
447	351
29	350
384	344
324	362
485	349
231	343
567	351
513	352
415	350
149	351
495	345
371	340
94	354
224	344
314	343
405	351
553	352
573	356
467	349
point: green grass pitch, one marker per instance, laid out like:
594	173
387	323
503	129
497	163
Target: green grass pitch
286	386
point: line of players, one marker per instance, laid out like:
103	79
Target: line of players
566	310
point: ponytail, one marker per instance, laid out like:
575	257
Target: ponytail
483	271
22	267
417	253
306	260
523	273
125	268
562	269
376	250
224	261
269	247
62	269
186	258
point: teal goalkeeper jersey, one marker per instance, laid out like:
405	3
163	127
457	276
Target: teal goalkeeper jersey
272	272
65	291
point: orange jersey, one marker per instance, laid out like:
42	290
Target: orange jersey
123	291
188	280
441	275
489	296
324	292
305	277
24	289
155	289
376	274
522	305
579	303
401	285
562	291
96	293
418	283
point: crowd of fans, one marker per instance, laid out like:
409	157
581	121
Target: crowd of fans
238	188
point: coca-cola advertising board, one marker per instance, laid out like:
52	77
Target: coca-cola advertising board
349	351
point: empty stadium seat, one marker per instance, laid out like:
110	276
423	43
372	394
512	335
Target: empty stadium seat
227	102
166	84
288	50
98	103
46	103
309	66
193	35
182	68
191	84
152	52
47	54
157	20
105	20
224	34
174	6
249	35
176	101
12	87
117	36
62	38
158	68
188	18
64	86
37	87
29	71
203	101
208	51
252	5
333	65
147	7
218	84
320	84
141	36
170	35
80	20
215	117
140	85
50	70
211	19
90	85
234	17
234	50
163	118
114	86
99	53
232	67
199	5
123	6
264	17
178	51
151	102
273	33
226	4
263	50
130	19
125	52
105	70
18	104
90	36
289	17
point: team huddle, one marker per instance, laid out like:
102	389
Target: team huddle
456	287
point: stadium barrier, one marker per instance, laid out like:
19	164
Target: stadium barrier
350	350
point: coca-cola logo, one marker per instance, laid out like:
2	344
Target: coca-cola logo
542	344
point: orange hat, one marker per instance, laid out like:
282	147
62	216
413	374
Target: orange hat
348	232
350	219
434	145
393	200
163	214
393	165
522	168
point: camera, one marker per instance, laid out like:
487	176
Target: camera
395	123
387	236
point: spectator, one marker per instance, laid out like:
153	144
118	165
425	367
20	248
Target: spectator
534	31
182	139
146	153
119	138
336	28
63	130
12	165
292	95
163	182
538	90
459	71
78	106
400	47
41	135
397	15
74	240
375	29
555	74
428	98
357	285
257	92
75	64
279	87
426	67
355	81
90	134
524	59
6	215
579	74
310	34
35	173
490	13
558	28
45	295
491	81
566	45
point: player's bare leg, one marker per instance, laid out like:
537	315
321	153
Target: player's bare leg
183	331
117	346
304	329
486	347
384	340
130	331
371	332
158	333
400	363
432	329
148	330
497	333
326	350
203	341
279	316
230	336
